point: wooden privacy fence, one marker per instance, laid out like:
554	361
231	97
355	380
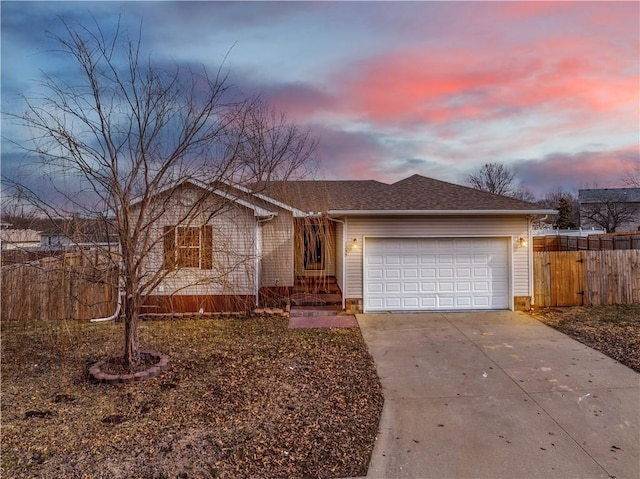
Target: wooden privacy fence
67	287
584	243
590	278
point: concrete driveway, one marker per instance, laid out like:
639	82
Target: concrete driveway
498	395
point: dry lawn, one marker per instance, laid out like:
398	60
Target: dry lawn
243	398
612	330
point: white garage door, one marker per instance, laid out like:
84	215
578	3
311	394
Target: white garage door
416	274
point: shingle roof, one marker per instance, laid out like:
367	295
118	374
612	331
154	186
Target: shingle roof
599	195
416	193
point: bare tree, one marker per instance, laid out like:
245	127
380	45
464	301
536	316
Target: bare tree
567	205
127	132
632	177
494	178
607	208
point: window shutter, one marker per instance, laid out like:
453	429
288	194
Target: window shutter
169	245
207	247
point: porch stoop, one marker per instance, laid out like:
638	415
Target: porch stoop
316	291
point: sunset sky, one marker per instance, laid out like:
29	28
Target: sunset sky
392	89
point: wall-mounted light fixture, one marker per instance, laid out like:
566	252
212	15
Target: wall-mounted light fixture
522	241
354	243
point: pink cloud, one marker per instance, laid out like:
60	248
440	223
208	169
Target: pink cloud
444	85
579	170
575	64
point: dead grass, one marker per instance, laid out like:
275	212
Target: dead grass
243	398
612	330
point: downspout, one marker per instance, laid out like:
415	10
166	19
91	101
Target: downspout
530	253
114	315
258	255
344	259
120	294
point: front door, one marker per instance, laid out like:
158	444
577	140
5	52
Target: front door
314	247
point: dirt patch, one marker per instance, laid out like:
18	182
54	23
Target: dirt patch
243	398
612	330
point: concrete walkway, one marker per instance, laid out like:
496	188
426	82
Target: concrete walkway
498	395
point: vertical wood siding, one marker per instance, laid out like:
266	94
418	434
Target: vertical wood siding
439	226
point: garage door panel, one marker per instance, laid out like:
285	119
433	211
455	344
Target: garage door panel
392	273
392	260
392	287
464	302
393	302
428	273
445	286
410	273
411	302
432	274
428	286
463	273
427	259
445	259
410	287
446	302
445	273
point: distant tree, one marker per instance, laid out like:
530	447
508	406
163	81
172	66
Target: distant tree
498	179
632	177
608	210
127	130
564	214
523	193
567	205
494	178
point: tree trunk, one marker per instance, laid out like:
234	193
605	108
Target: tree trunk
131	340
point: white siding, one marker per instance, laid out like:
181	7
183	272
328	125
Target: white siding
277	251
234	236
439	226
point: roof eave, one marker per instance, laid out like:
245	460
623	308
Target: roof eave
439	212
257	210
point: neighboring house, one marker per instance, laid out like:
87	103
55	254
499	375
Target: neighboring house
613	209
416	245
18	239
53	238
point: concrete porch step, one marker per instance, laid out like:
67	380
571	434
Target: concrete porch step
306	299
316	285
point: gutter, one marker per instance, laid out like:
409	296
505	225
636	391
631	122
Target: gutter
438	212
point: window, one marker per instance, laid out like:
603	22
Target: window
188	247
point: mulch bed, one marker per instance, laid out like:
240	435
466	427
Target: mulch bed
242	398
612	330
